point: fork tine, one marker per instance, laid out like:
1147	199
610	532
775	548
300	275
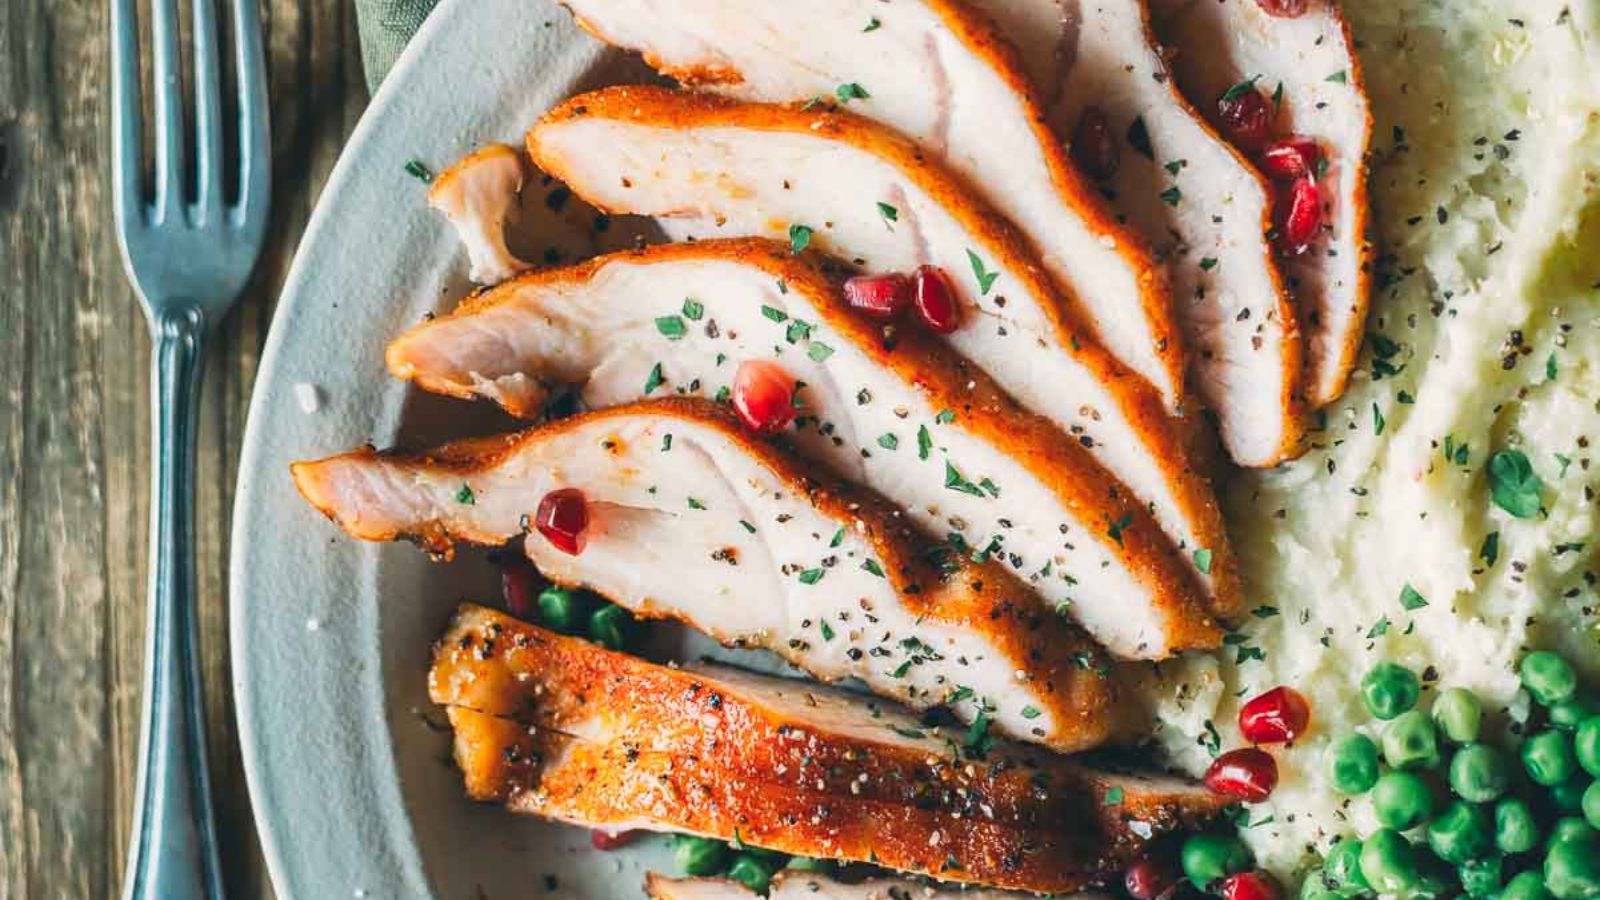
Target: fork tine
168	86
255	142
207	113
127	175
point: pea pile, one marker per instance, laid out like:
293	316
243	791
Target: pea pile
1460	814
750	866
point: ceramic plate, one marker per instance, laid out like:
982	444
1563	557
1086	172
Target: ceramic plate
347	761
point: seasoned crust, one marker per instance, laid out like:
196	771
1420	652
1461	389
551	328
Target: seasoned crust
558	727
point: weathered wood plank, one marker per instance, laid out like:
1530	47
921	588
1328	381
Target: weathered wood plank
74	439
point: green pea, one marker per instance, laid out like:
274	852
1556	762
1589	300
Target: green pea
612	626
1570	828
1410	742
1209	858
1479	773
1549	758
1481	877
1591	803
1526	886
1566	798
1342	869
1515	829
1389	862
1572	869
1459	715
1461	833
1402	800
1570	713
1354	767
753	872
1586	743
1390	690
1548	677
563	609
700	856
1315	888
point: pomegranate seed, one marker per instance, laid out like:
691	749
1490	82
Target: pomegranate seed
1283	9
879	296
1299	216
935	299
1150	879
605	840
763	396
1291	157
1246	119
1093	147
1256	885
519	583
1247	774
563	518
1276	717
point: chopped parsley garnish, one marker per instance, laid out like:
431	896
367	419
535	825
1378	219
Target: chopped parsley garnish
1114	796
466	496
888	442
1116	528
907	732
1458	454
1551	369
873	24
671	327
799	237
1202	560
818	351
1031	712
924	442
1338	77
1172	195
693	309
945	416
1277	96
1565	462
1513	484
773	313
838	538
655	380
954	481
979	271
872	566
1490	551
416	169
747	526
826	629
1208	263
1378	421
1139	138
1240	89
889	213
811	576
1411	599
666	443
1264	612
1379	628
696	504
978	741
990	486
798	330
851	91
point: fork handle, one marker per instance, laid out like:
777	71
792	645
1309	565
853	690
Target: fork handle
174	853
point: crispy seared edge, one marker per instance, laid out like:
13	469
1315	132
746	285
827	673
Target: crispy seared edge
983	38
1079	481
518	694
1067	670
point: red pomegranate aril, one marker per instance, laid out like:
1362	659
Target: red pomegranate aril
1254	885
1276	717
519	584
1149	879
1094	148
763	396
879	296
1284	9
605	840
1246	119
1300	216
563	519
935	299
1247	774
1291	157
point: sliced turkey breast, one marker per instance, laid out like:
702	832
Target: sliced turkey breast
1204	208
479	196
796	885
847	185
1308	63
692	518
564	729
940	75
885	407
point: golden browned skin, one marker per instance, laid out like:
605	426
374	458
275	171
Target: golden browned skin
949	382
558	727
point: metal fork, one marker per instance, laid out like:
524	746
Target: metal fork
188	259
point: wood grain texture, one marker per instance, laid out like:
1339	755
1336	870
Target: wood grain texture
74	438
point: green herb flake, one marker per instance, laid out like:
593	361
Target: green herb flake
666	443
924	442
1513	484
1208	263
818	351
851	91
1031	712
1490	551
945	416
956	482
1264	612
989	486
416	169
1139	138
671	327
811	576
1240	89
693	309
1551	368
1338	77
696	504
979	271
1378	421
1172	195
888	442
873	24
889	213
799	238
798	330
655	380
872	566
466	496
1379	628
747	526
1202	560
907	732
826	629
1114	796
1411	599
838	538
1116	528
773	313
1277	96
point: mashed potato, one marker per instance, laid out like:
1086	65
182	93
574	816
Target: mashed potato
1486	190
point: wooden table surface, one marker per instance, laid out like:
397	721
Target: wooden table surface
74	438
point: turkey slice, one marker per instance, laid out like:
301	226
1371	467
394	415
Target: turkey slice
1311	58
938	74
885	407
479	196
561	728
1204	208
797	885
691	518
845	184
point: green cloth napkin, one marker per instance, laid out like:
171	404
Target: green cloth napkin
386	26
